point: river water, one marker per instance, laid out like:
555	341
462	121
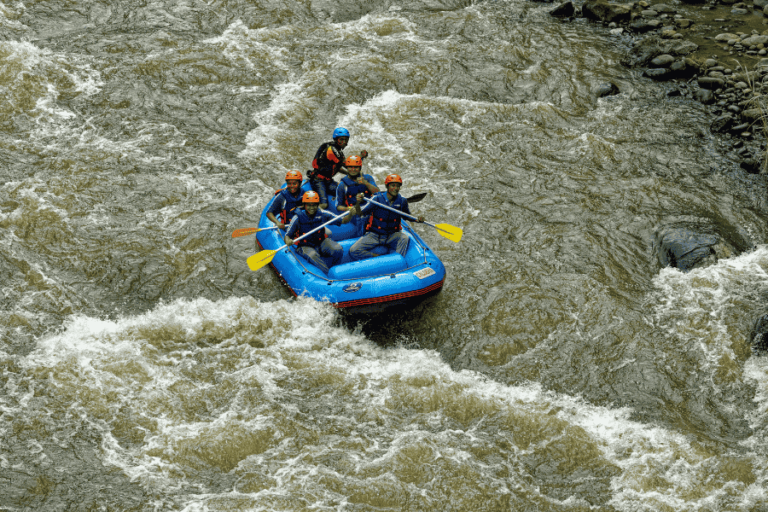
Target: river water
144	367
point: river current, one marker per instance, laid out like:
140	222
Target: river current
144	367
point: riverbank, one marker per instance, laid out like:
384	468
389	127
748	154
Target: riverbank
715	53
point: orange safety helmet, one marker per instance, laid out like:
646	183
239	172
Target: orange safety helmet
293	175
353	161
393	178
310	197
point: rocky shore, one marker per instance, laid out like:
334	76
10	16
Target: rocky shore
716	53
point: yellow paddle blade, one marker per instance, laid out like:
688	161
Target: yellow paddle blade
452	233
243	232
261	258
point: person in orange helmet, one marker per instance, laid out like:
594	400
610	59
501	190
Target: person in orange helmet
308	217
287	200
352	184
383	227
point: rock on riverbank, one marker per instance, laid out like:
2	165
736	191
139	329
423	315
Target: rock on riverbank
716	53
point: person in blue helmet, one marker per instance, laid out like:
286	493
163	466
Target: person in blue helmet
383	227
351	185
329	160
287	200
308	217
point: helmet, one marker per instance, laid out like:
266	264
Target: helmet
393	178
353	161
310	197
293	175
340	132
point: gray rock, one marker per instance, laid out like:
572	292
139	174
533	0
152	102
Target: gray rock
606	89
565	9
705	96
727	36
649	13
679	68
662	61
664	8
708	82
759	335
753	114
750	165
601	10
658	73
721	124
684	248
652	46
754	40
760	3
642	26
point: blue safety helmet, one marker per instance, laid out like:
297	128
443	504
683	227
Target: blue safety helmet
340	132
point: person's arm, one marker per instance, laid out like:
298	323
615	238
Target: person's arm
373	189
355	209
275	221
341	191
277	206
407	210
291	231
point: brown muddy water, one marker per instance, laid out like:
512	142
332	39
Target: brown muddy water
144	367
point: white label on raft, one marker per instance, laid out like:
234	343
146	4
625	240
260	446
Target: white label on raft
425	272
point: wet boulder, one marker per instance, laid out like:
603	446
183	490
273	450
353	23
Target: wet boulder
705	96
640	26
690	246
601	10
709	82
662	61
605	89
565	10
759	336
658	73
650	47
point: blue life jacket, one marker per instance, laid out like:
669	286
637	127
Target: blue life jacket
291	203
306	225
382	221
354	188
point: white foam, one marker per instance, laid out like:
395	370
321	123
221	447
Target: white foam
174	339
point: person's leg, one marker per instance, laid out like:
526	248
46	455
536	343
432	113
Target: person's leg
313	256
319	186
398	241
359	223
362	248
332	249
331	187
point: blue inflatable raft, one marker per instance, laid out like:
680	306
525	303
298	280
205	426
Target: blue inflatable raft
363	286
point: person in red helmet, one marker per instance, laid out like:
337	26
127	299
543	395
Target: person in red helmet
308	217
383	226
287	200
352	184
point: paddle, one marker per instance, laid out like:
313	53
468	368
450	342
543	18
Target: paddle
249	231
262	258
416	198
452	233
